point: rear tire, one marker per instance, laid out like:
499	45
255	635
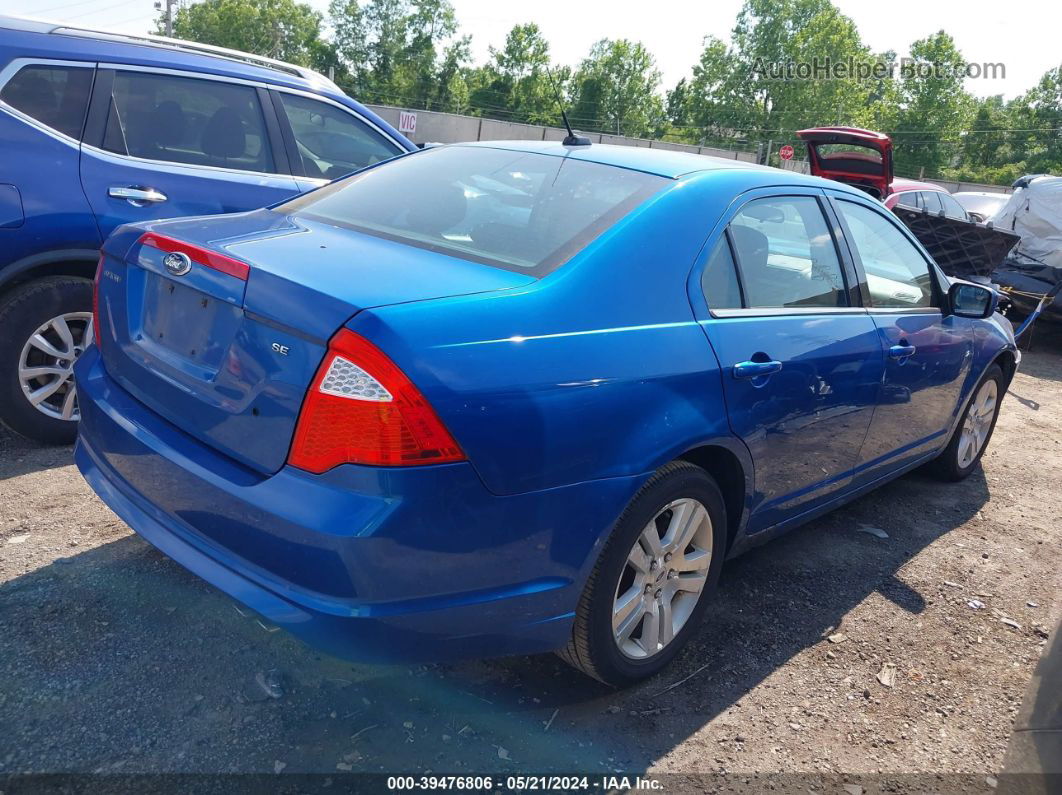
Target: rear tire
975	428
634	618
23	313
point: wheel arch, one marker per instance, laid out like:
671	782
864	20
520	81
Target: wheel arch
76	262
1007	360
732	474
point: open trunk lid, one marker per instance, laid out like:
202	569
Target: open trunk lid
861	158
226	349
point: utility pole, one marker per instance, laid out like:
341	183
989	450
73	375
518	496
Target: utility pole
169	14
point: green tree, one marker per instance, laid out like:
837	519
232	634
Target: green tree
514	84
1038	113
400	52
615	90
934	106
280	29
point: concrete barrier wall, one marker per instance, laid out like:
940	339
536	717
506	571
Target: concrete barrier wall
450	128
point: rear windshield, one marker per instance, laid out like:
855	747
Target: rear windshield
519	211
832	151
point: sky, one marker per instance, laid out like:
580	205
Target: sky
1024	35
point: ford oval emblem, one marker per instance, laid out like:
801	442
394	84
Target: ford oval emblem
177	263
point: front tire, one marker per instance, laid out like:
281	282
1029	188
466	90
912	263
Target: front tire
46	326
974	431
651	585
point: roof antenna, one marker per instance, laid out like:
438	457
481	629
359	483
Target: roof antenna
571	139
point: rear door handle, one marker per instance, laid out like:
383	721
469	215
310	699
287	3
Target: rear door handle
901	351
756	369
136	196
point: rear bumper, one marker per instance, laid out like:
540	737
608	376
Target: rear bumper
369	564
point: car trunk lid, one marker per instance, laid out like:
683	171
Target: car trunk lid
857	157
226	350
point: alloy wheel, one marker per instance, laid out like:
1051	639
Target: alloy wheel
665	573
978	423
45	366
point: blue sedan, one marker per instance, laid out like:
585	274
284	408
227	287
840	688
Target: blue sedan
515	397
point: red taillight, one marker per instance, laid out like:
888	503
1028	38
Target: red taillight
204	256
361	409
96	297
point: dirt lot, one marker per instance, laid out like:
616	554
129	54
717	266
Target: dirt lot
114	659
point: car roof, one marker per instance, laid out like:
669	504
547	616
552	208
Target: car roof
662	162
900	184
149	50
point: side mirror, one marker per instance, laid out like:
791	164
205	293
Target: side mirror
972	300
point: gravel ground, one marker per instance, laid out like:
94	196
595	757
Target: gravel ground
114	659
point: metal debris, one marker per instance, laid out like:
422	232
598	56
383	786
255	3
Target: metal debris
271	682
877	532
976	604
1010	622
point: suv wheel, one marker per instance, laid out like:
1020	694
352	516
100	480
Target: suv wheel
47	324
651	584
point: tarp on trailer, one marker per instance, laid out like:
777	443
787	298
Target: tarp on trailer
1034	211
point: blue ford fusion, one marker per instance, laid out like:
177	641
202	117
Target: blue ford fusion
507	398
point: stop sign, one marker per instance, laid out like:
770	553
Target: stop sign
786	152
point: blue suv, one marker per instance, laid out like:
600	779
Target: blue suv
101	129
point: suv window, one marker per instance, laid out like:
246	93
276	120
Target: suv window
53	95
786	254
952	208
897	274
332	142
186	120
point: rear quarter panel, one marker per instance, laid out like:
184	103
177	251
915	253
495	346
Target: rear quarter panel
598	370
41	169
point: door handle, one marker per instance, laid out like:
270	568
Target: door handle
901	351
756	369
136	196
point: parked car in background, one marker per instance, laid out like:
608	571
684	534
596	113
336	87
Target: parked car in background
925	196
532	403
981	205
863	159
102	129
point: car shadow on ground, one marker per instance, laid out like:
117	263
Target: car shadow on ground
20	456
117	660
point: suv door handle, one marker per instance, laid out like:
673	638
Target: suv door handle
136	196
901	351
756	369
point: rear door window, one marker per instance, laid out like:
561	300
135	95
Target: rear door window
952	208
719	280
931	201
521	211
56	96
786	254
332	142
187	120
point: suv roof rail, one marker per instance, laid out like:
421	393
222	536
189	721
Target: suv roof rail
152	40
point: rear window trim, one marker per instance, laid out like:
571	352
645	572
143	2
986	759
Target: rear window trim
553	261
